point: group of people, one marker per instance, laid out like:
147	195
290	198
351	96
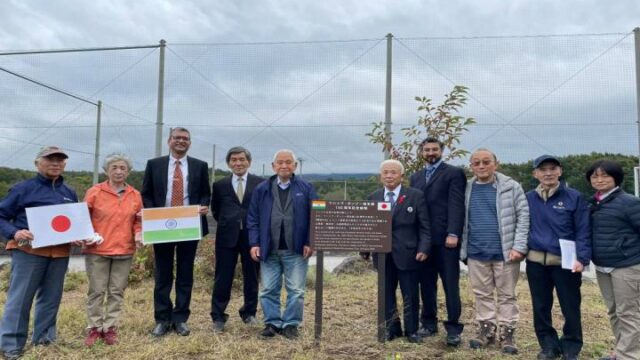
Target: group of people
270	227
440	219
492	225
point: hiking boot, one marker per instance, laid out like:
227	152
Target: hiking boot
507	340
111	336
93	336
486	335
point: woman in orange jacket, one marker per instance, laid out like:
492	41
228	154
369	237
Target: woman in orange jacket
113	206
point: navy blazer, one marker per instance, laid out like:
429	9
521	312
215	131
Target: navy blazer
409	227
154	184
228	211
444	195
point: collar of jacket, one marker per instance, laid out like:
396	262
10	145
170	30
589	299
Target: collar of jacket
291	181
104	186
609	197
551	193
46	181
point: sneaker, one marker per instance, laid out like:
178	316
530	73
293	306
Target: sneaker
93	336
111	336
269	331
290	332
507	340
486	335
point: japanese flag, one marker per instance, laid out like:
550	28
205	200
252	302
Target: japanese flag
384	206
59	224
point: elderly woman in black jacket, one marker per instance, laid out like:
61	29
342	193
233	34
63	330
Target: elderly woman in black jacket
615	218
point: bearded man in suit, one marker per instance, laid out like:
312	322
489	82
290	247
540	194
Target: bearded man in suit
443	186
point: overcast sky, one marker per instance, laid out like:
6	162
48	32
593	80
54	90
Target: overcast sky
531	94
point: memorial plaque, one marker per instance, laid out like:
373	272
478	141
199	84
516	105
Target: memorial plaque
351	226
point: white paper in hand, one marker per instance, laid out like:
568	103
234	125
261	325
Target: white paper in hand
568	251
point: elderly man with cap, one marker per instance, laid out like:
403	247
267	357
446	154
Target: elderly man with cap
38	271
557	213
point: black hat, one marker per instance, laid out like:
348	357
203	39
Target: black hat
545	158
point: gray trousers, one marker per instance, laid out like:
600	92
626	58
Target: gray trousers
621	292
108	277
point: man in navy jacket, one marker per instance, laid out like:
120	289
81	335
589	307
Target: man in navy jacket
278	224
443	186
557	213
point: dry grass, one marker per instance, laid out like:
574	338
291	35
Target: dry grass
349	328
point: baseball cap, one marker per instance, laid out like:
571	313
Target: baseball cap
545	158
51	150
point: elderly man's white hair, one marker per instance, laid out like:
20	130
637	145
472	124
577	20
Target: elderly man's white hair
285	151
392	161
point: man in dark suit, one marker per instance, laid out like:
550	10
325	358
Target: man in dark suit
410	245
175	180
443	186
230	200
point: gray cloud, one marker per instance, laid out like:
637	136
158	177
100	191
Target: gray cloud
246	86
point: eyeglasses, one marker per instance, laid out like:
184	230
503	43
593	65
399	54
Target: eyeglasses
483	162
180	138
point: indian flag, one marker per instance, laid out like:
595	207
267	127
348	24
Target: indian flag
171	224
318	205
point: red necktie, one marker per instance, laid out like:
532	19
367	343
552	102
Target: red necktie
177	193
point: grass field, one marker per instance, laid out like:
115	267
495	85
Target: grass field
349	330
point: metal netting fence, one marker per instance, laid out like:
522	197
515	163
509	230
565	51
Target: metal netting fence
563	95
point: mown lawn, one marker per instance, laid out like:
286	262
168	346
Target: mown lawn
349	328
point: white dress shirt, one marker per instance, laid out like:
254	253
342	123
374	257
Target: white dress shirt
184	167
234	182
396	193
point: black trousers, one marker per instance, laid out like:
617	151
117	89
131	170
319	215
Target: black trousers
226	260
185	254
445	262
408	281
542	280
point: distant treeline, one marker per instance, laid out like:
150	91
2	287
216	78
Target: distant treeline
359	186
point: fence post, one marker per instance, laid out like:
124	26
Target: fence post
636	38
387	100
387	134
345	190
96	153
213	164
160	107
